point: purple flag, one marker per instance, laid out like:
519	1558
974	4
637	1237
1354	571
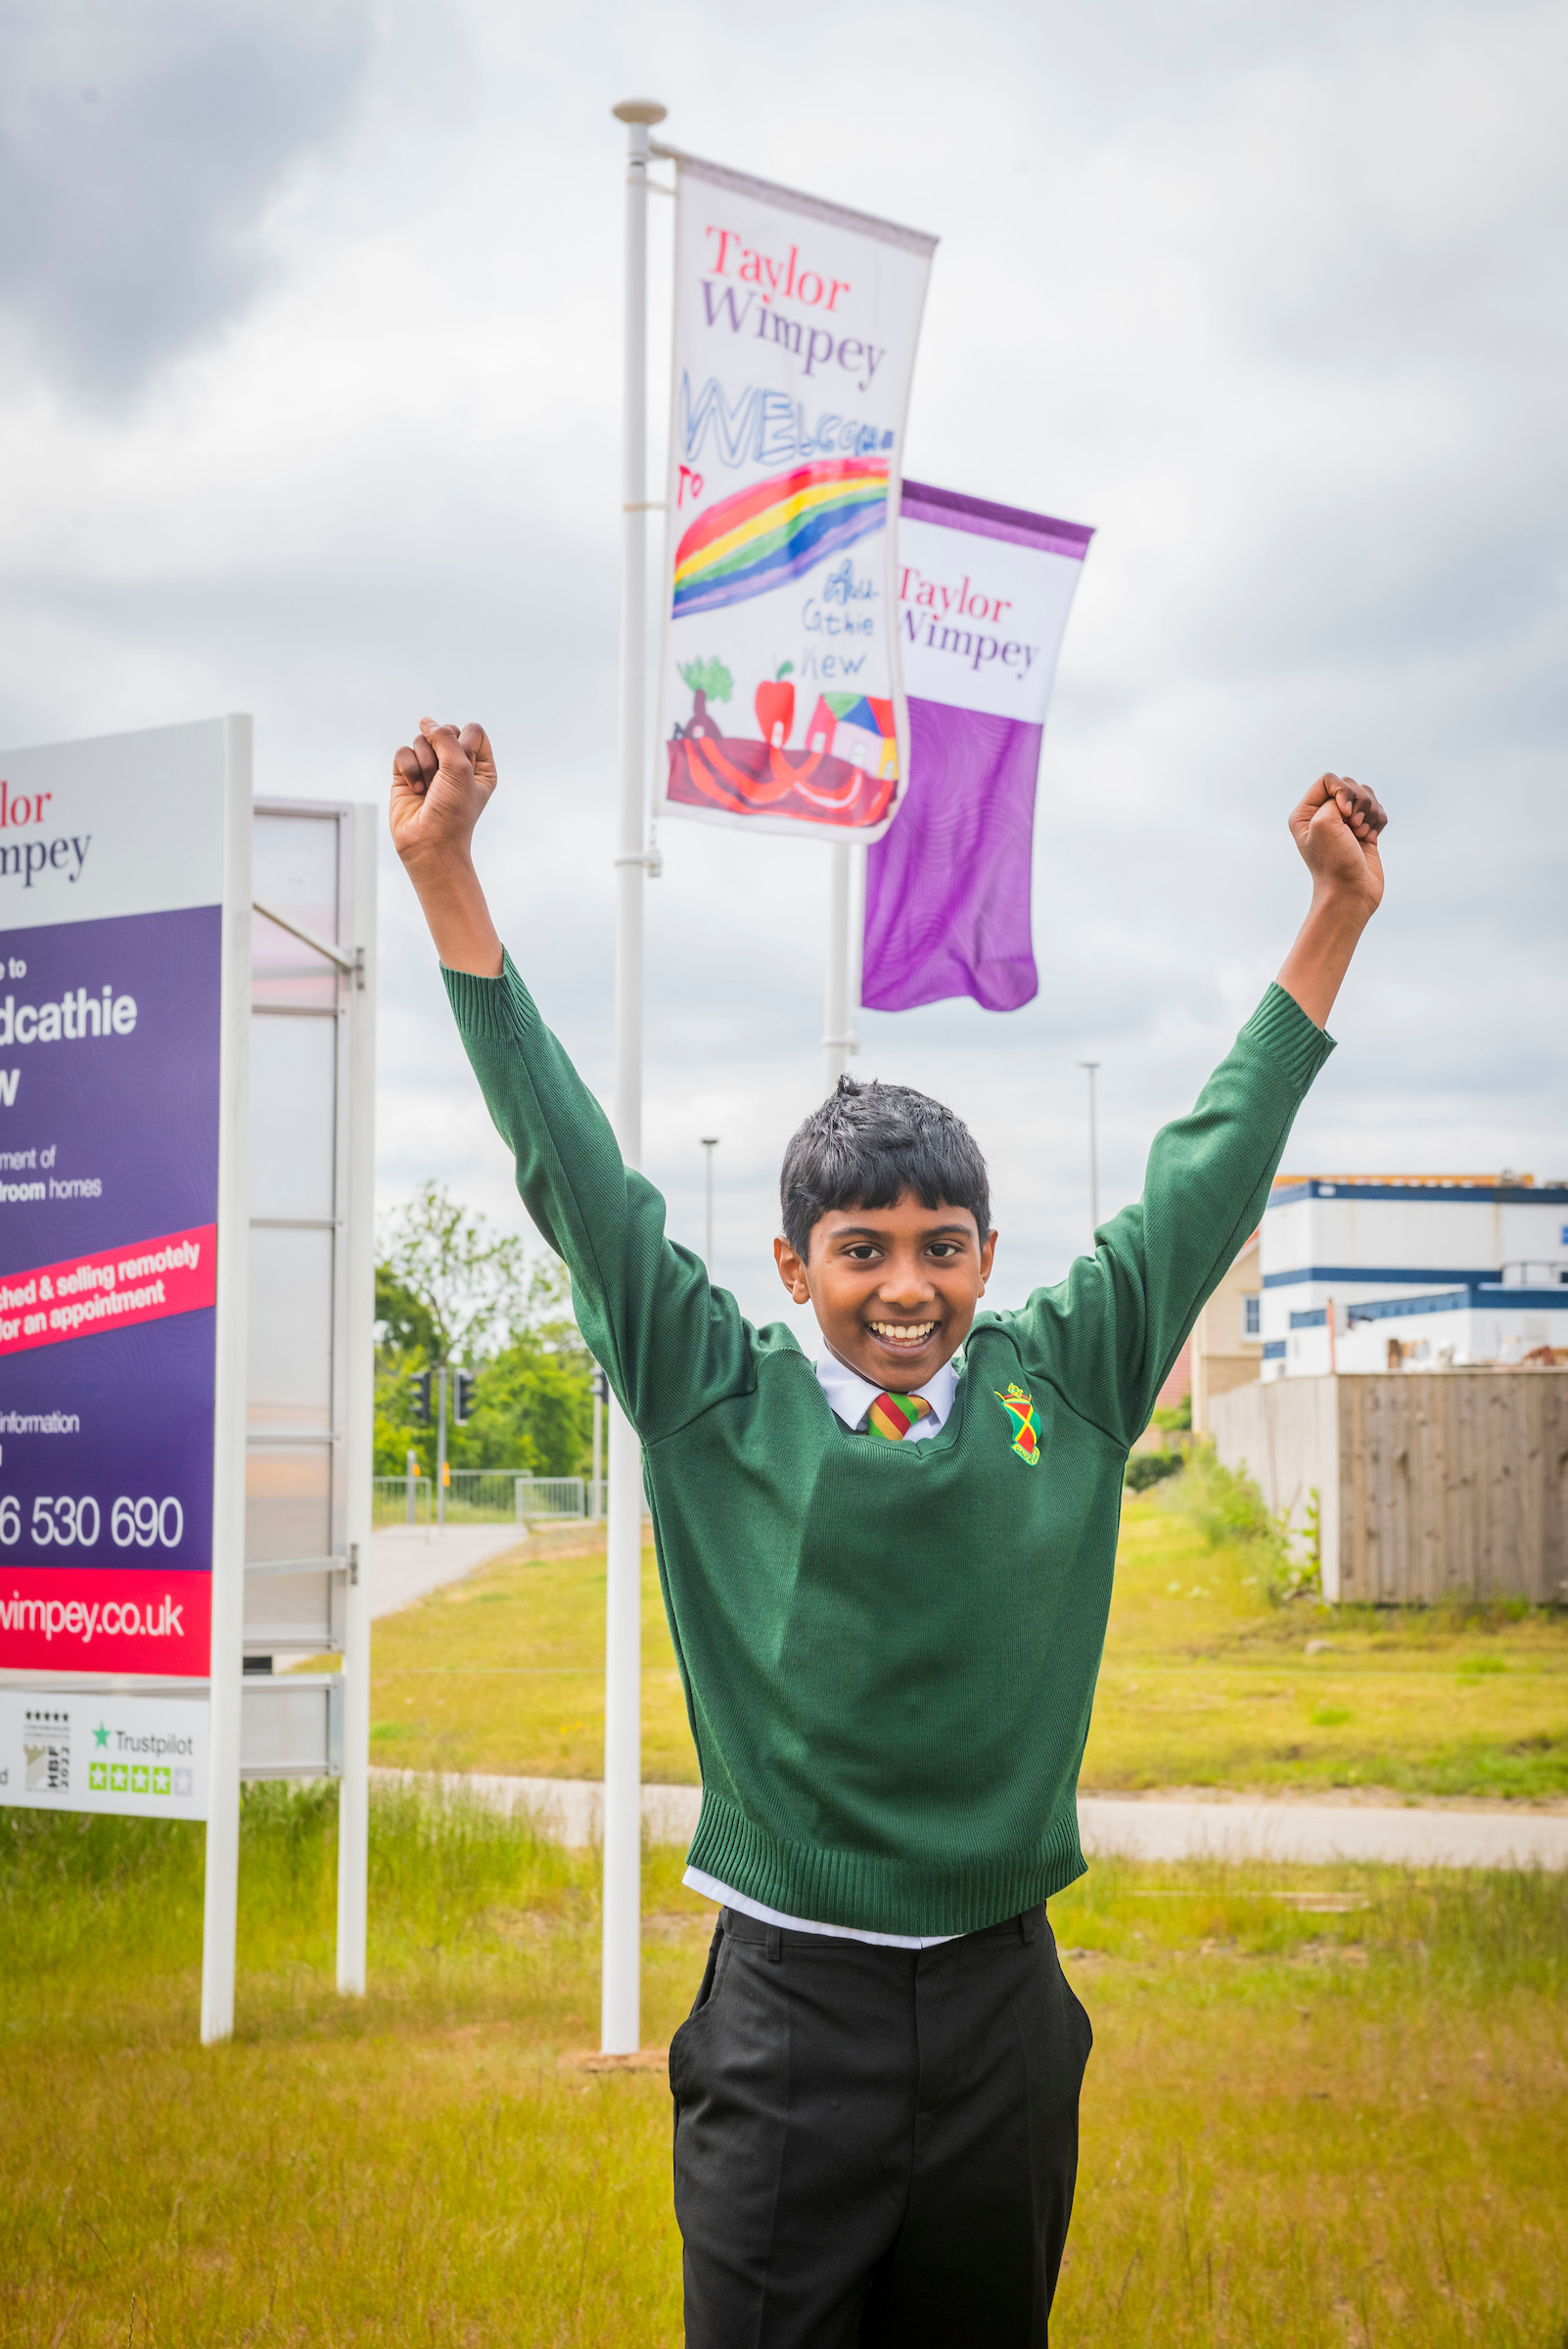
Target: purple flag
984	594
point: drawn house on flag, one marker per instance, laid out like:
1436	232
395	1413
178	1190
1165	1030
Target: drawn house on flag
859	731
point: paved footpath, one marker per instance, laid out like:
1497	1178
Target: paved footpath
408	1560
1142	1827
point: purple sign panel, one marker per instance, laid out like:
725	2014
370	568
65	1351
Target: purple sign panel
109	1122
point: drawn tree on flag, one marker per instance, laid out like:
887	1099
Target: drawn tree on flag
708	681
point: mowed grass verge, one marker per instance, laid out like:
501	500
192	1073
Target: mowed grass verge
1204	1683
1324	2107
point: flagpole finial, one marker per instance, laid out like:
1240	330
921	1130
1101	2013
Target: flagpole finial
639	110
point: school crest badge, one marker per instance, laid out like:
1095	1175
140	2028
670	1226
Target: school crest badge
1020	1409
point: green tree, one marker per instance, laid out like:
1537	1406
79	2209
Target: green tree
534	1409
404	1324
449	1288
467	1279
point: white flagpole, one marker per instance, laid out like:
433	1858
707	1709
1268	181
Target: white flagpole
856	946
836	997
620	1985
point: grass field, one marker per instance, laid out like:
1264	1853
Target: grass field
1204	1683
1324	2108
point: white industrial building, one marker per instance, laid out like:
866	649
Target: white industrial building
1379	1272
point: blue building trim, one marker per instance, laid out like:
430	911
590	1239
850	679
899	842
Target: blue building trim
1384	1276
1401	1308
1494	1296
1511	1194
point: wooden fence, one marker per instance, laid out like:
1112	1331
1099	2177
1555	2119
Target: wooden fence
1450	1484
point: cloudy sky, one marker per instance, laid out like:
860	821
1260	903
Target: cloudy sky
308	387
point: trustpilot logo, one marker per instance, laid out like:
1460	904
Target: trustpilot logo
123	1773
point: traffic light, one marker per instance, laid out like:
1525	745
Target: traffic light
419	1399
463	1385
599	1385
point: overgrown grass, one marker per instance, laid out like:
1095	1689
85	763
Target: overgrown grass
1324	2106
1206	1678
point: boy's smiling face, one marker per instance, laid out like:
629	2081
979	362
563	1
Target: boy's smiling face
893	1288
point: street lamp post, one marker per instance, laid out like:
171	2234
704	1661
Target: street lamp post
710	1146
1094	1158
440	1446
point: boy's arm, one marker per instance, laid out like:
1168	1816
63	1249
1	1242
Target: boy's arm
669	1342
1109	1334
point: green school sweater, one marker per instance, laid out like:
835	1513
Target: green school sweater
889	1650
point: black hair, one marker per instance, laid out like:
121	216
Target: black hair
867	1146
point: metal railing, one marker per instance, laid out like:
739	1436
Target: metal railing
482	1497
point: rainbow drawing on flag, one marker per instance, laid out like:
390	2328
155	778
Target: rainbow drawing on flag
777	529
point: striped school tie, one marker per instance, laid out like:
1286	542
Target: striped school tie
892	1415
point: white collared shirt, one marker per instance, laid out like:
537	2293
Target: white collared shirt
851	1397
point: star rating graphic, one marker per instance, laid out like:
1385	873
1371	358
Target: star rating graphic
101	1735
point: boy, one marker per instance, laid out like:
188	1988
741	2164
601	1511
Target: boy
887	1580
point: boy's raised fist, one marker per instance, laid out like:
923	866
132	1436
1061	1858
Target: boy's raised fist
1336	828
441	784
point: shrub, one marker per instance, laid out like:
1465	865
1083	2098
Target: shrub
1227	1507
1146	1468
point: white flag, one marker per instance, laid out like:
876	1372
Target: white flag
796	322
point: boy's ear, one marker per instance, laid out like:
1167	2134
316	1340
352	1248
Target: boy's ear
792	1271
987	1256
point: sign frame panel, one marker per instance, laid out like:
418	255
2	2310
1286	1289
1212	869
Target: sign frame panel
148	827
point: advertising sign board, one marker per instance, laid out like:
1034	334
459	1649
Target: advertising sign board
111	932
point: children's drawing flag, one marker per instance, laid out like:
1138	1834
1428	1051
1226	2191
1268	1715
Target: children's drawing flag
984	595
796	322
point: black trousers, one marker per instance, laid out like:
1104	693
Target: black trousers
876	2148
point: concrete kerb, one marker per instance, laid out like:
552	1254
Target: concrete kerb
570	1810
1321	1835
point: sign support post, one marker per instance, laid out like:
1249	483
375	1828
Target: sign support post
620	2006
220	1896
354	1793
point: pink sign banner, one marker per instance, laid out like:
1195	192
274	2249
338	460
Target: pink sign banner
112	1289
